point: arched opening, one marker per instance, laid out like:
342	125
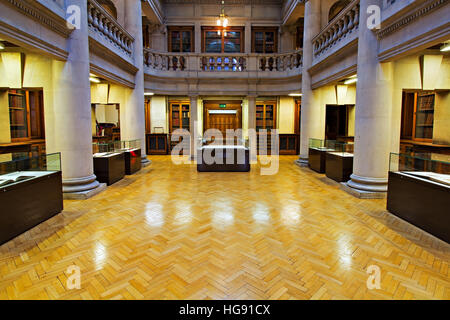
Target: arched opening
109	7
336	8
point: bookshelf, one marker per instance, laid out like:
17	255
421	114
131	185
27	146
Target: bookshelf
264	40
179	118
424	116
266	115
18	114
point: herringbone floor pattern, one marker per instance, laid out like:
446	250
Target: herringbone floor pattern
169	232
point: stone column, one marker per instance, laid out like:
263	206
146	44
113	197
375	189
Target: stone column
134	126
248	37
68	117
373	116
252	126
193	125
311	115
198	37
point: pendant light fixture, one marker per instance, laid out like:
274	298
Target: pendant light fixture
222	21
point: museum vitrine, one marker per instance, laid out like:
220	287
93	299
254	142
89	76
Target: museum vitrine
132	152
419	191
318	149
30	191
109	164
339	162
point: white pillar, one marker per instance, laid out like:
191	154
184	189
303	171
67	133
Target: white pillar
312	119
193	124
373	115
134	126
69	117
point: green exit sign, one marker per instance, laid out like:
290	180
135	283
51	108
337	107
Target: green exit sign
222	105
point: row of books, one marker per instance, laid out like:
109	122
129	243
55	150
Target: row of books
425	102
16	101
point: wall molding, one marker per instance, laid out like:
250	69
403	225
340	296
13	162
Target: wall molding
335	77
30	42
41	14
110	76
422	42
411	17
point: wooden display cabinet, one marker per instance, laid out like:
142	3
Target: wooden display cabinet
179	118
109	169
157	143
289	144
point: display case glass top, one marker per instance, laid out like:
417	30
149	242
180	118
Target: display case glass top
342	149
429	166
127	145
19	167
322	144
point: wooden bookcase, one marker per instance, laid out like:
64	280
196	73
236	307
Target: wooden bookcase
266	112
265	40
180	39
179	118
423	117
418	116
26	115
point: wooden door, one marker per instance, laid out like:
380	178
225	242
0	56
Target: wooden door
222	115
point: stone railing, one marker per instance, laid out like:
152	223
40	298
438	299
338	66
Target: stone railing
210	62
344	24
103	23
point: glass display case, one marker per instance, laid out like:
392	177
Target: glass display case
30	191
126	145
109	164
431	166
339	161
317	153
419	191
132	154
18	167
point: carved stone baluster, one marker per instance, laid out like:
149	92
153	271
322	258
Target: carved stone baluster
339	27
345	25
356	18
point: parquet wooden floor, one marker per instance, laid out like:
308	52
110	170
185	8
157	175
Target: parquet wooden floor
169	232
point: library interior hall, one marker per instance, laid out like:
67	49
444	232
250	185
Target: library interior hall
224	149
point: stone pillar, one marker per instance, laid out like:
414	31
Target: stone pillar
311	114
373	116
251	112
68	117
252	127
134	124
193	125
248	37
198	37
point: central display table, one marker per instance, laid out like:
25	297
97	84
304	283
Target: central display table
223	158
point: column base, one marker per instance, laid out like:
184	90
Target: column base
302	162
82	188
366	188
145	162
83	195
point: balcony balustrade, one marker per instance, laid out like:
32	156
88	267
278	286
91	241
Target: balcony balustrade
237	62
343	26
104	24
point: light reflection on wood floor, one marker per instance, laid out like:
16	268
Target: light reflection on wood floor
169	232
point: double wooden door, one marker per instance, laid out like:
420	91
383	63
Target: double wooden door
222	115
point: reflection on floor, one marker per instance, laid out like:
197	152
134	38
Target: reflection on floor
169	232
